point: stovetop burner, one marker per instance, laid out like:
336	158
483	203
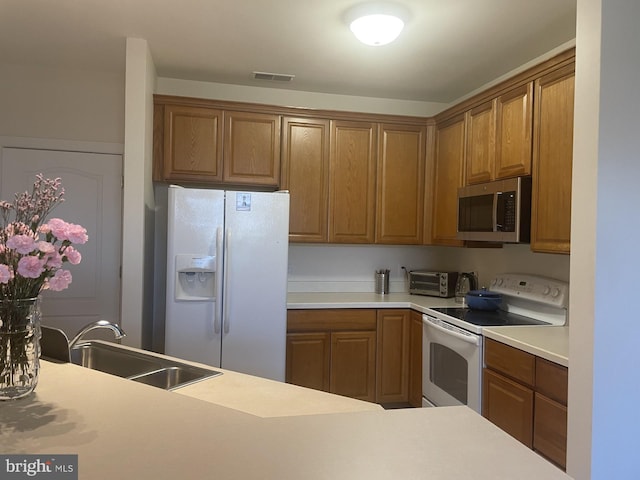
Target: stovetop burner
482	318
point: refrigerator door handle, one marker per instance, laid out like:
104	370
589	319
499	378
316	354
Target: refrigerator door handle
217	315
227	248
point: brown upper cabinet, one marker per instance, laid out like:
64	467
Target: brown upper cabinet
251	149
305	173
192	146
401	166
448	176
522	126
552	162
499	137
203	144
481	143
352	182
514	124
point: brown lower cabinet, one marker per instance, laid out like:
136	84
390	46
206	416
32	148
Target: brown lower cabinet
526	396
359	353
415	359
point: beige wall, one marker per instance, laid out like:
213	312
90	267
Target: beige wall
138	218
56	103
292	98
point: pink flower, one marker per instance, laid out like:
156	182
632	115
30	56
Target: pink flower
30	267
22	244
57	227
66	231
5	273
60	280
53	260
46	247
73	255
77	234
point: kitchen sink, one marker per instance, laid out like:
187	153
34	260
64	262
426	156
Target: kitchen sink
138	366
173	377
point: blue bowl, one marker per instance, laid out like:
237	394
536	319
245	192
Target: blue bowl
483	300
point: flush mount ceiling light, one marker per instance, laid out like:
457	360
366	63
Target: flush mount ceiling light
377	23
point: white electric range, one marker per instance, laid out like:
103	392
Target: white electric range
452	343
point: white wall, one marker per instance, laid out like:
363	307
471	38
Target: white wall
604	384
64	104
342	268
293	98
138	200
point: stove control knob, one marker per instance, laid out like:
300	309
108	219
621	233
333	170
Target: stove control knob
555	292
547	290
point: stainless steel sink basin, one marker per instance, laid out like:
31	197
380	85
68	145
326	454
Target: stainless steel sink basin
138	366
173	377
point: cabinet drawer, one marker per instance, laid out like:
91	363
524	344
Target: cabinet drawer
512	362
323	320
552	380
550	430
508	405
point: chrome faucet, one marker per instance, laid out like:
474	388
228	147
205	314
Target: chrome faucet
117	330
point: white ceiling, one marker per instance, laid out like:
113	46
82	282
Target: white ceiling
448	48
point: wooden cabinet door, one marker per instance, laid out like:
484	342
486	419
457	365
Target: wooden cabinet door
392	384
514	116
448	177
509	405
353	364
400	190
352	182
481	143
305	173
192	144
415	359
550	430
308	360
251	149
552	162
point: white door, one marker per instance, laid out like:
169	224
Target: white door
255	315
195	218
93	199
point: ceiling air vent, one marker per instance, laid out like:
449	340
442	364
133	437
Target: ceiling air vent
276	77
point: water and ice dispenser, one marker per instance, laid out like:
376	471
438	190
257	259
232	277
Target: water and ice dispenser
195	277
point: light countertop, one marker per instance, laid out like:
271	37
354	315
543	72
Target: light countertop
551	343
366	300
123	429
267	398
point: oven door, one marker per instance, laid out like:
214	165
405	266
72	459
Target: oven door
451	365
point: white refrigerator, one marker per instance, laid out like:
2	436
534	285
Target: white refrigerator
227	255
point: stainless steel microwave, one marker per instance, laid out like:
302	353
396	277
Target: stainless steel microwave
498	211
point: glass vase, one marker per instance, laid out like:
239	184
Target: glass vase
19	347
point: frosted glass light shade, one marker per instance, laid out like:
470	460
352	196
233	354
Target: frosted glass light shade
377	29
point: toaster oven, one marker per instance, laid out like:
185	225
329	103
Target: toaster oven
434	284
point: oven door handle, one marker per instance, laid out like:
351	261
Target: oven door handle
469	338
